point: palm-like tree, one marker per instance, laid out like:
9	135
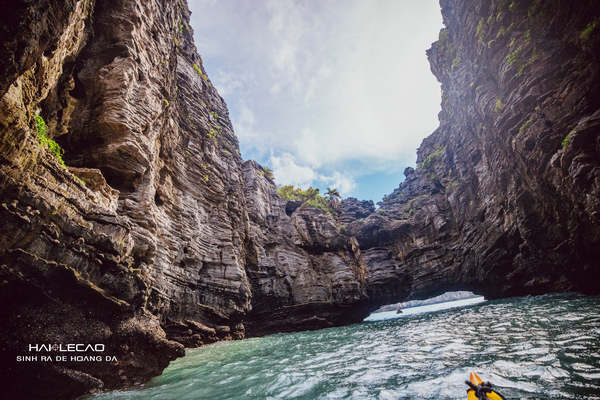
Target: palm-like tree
334	197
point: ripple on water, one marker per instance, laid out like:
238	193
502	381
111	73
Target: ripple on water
532	347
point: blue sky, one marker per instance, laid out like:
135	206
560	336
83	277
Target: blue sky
324	92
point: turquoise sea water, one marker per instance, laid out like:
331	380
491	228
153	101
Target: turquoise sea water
544	347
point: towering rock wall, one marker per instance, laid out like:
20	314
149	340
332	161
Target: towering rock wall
156	235
506	196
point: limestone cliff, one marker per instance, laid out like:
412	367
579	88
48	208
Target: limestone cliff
156	235
506	196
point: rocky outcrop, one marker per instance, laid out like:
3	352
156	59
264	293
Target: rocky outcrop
352	209
157	235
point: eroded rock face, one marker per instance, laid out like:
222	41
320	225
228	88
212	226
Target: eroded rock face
305	273
506	197
144	232
158	235
505	200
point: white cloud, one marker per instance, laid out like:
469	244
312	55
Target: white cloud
343	183
317	87
244	122
288	172
227	83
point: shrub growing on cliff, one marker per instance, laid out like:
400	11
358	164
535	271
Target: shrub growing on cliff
213	133
589	29
511	58
529	62
566	140
309	197
199	71
480	27
499	106
501	32
46	142
480	31
525	125
433	156
268	173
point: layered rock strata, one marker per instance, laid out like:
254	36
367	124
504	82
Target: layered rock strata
157	235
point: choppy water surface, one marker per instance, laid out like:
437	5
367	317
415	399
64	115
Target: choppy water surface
545	347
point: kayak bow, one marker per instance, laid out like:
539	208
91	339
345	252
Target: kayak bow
479	390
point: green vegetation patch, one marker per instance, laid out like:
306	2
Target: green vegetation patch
522	67
501	32
46	142
213	133
511	58
567	140
525	125
499	106
268	173
433	156
80	180
480	30
199	71
309	197
589	29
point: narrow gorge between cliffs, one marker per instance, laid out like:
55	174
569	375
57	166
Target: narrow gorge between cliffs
153	234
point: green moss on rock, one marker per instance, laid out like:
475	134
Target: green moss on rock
499	106
589	29
46	142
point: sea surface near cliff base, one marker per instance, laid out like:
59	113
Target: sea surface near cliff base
529	347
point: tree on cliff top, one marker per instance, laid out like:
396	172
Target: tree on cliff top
309	197
334	197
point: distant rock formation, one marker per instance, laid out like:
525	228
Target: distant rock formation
157	235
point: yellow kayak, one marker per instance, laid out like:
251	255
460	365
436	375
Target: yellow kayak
479	390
